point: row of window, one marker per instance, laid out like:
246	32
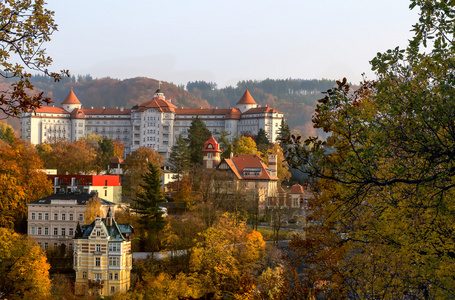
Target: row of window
45	231
63	217
99	277
46	246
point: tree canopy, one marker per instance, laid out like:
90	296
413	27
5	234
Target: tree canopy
24	270
26	25
198	134
21	180
383	222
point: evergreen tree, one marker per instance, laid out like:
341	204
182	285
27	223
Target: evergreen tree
180	155
198	134
262	142
284	134
148	201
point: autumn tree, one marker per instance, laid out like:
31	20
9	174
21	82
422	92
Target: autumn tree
119	149
92	210
77	157
245	145
7	133
21	180
24	271
198	134
135	167
282	165
26	25
382	218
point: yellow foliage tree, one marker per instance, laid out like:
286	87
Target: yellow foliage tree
245	145
24	271
92	210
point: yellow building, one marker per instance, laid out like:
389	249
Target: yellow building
102	257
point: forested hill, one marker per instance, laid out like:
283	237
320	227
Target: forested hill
296	98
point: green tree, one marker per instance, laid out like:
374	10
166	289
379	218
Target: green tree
26	25
7	133
284	134
180	155
198	134
262	141
383	214
225	145
148	201
24	270
106	150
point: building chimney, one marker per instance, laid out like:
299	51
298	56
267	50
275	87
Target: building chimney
122	108
273	164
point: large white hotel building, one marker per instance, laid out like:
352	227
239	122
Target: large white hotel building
155	124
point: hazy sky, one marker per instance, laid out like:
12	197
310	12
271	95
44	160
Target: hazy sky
226	40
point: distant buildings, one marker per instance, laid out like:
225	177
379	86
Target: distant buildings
154	124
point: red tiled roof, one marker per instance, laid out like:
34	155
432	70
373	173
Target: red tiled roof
105	111
77	114
158	104
250	161
229	113
51	110
297	189
216	146
71	98
202	111
246	98
258	110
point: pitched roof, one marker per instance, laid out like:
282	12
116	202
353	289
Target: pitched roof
258	110
297	189
71	98
246	98
105	111
158	104
51	110
244	165
80	198
77	114
117	232
215	146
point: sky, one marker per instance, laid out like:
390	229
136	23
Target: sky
225	41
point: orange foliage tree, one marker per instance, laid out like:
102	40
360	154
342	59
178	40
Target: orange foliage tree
21	180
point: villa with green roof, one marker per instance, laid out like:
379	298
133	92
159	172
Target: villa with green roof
102	257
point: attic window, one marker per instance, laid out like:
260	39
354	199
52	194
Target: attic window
210	146
252	172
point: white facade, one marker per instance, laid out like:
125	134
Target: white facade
52	220
154	124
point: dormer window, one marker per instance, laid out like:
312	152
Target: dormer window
210	146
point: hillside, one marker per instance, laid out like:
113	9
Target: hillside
296	98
